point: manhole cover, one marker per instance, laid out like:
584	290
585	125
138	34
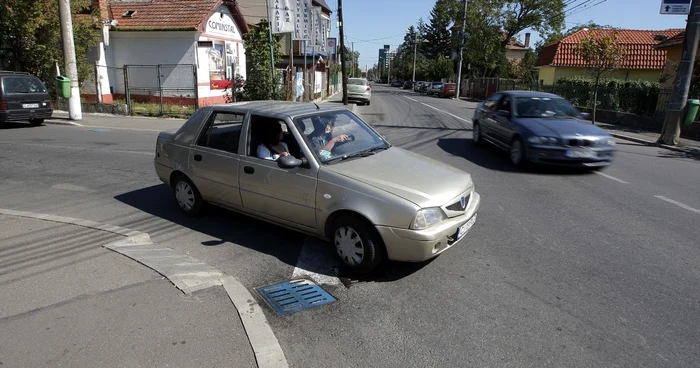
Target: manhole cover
99	130
294	296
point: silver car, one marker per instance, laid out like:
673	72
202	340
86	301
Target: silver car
372	200
359	90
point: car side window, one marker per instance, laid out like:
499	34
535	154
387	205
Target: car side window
258	126
491	102
505	104
223	131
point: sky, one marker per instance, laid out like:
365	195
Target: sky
373	23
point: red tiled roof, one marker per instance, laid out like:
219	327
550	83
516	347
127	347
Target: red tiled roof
638	48
672	41
166	14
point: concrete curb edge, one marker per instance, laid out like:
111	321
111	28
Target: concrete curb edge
57	122
187	274
655	144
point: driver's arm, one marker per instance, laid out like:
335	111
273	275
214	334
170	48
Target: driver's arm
339	138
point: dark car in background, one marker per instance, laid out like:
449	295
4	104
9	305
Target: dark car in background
396	83
542	128
417	86
407	84
23	97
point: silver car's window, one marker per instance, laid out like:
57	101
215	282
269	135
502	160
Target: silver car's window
223	132
543	107
257	131
319	129
358	81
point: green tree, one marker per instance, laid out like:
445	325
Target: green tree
353	61
261	83
602	53
30	40
437	33
544	16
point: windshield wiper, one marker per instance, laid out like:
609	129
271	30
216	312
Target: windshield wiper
363	153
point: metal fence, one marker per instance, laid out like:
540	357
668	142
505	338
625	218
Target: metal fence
163	89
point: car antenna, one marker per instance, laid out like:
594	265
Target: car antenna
317	107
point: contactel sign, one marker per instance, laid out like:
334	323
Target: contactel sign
227	28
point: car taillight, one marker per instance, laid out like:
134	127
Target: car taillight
3	105
368	89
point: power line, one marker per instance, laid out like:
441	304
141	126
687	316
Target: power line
588	8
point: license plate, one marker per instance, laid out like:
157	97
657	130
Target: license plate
31	106
464	229
581	154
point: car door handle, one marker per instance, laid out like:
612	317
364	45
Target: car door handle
198	157
248	169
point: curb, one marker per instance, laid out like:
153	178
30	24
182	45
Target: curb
188	274
655	144
58	122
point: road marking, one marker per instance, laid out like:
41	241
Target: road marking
442	111
122	128
679	204
79	148
317	261
611	177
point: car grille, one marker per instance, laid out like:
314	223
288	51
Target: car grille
580	143
457	206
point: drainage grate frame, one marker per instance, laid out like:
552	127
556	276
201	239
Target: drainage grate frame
294	296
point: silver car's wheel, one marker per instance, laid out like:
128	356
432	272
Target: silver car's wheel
358	244
349	246
187	196
516	152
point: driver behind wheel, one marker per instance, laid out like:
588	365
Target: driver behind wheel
322	139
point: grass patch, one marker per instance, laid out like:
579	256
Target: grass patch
153	109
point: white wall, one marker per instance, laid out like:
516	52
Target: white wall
152	48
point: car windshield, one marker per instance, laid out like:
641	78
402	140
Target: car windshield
23	84
543	107
437	84
320	129
358	81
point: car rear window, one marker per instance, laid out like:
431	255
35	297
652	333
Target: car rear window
22	84
357	81
437	84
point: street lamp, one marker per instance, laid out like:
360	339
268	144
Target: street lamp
415	49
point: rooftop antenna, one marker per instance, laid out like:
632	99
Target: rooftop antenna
317	107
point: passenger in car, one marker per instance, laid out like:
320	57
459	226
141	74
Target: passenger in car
272	146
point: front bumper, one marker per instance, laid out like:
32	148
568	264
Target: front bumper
25	115
420	245
557	156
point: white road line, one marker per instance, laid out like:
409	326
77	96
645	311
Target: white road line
89	127
78	148
442	111
679	204
611	177
317	261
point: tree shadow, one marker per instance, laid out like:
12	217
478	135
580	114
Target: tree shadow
492	158
692	154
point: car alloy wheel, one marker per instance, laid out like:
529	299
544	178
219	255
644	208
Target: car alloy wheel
516	152
187	196
476	134
358	244
349	246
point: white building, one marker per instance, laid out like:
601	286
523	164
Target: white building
183	51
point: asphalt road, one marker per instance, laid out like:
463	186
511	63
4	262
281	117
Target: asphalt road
563	268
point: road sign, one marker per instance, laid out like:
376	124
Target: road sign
681	7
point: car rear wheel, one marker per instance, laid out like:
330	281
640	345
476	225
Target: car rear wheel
517	153
187	196
476	134
358	244
367	102
36	122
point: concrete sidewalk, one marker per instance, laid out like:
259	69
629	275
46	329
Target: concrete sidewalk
106	121
688	146
67	301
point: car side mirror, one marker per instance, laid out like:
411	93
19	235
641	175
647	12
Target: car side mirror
585	115
504	113
289	162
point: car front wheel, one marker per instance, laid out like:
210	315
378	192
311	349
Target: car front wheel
187	196
476	134
517	153
359	246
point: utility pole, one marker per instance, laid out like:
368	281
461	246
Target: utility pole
352	53
671	131
415	49
462	34
342	52
74	108
388	77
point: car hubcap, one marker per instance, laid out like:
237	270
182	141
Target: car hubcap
184	195
516	152
349	246
476	133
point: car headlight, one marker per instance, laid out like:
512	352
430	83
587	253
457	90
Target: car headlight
607	142
543	140
427	217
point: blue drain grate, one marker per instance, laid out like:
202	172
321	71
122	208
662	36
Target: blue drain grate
294	296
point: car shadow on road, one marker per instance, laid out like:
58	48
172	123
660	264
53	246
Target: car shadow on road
492	158
229	227
11	125
223	225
